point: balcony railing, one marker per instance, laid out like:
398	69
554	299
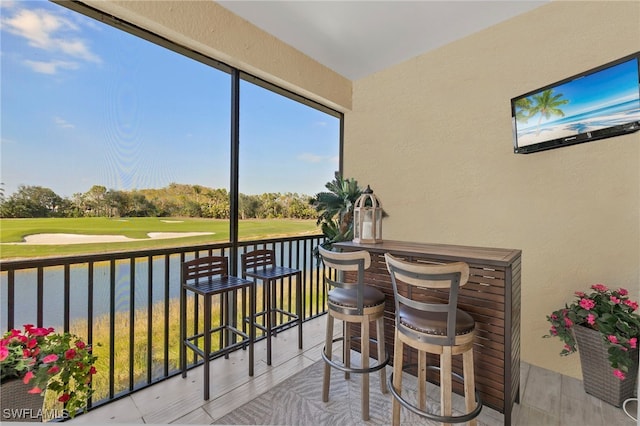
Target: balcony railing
126	304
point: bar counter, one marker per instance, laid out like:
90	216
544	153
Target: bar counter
491	296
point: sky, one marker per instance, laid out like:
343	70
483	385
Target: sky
84	104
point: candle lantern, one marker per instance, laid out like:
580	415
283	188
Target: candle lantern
367	218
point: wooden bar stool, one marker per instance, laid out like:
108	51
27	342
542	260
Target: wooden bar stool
208	277
353	302
436	327
261	265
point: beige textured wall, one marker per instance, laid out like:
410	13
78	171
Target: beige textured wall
210	29
432	136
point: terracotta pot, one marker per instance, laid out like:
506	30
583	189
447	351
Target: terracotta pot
18	405
597	373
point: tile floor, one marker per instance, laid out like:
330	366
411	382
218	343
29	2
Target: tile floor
547	398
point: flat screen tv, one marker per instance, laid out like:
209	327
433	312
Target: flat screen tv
596	104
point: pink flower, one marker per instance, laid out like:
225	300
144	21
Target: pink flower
50	358
633	342
614	299
554	317
633	305
70	354
53	370
623	292
27	377
613	339
553	331
591	319
587	304
80	344
579	293
567	322
35	390
600	287
567	347
4	353
619	374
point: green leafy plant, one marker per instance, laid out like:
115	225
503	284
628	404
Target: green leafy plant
58	362
335	209
610	312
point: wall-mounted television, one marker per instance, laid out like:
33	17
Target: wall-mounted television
596	104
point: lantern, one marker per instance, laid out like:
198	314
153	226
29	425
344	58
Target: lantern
367	218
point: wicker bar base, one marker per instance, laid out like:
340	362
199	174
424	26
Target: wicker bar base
17	405
597	373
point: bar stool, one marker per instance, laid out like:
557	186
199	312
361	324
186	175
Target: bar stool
353	302
432	327
261	265
208	277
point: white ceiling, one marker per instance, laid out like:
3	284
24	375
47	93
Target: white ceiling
358	38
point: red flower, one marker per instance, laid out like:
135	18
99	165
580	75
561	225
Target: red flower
92	370
64	397
27	377
32	343
80	344
623	292
50	358
633	305
587	304
619	374
600	287
4	352
70	354
567	322
53	370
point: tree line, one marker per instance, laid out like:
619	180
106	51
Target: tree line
175	200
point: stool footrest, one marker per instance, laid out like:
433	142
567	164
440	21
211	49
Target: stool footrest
227	349
340	366
431	416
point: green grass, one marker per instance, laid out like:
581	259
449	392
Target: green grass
14	231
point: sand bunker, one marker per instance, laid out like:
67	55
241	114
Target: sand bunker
53	239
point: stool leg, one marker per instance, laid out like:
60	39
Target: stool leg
299	307
364	350
422	380
207	343
269	320
445	380
346	347
183	332
252	325
397	377
469	383
381	353
328	347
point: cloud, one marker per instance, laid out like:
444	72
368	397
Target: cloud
311	158
50	67
61	122
50	32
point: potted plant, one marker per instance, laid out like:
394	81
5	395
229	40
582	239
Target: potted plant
603	326
61	363
335	209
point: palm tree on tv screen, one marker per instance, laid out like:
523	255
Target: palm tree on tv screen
546	103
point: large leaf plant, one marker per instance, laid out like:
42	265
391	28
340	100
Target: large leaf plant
335	209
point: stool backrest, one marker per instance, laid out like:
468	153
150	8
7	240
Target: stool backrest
204	268
341	262
407	276
257	259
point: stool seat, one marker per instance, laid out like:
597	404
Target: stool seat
348	298
435	323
